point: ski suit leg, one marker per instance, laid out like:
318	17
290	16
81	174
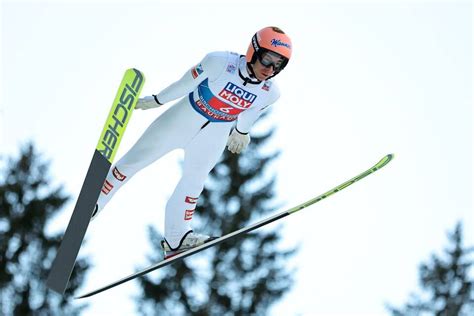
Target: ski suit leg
171	130
201	155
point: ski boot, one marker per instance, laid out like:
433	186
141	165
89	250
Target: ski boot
189	241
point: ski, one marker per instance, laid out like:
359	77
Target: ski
119	116
384	161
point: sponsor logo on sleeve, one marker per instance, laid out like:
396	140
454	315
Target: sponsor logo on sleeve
196	71
231	68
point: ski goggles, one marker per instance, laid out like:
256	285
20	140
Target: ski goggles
268	59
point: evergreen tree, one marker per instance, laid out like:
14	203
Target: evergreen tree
446	282
243	276
27	203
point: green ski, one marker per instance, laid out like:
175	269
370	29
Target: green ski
119	116
385	160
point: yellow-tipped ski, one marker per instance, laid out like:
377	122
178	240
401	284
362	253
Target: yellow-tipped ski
120	114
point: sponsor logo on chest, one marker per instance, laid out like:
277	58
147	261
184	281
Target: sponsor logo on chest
237	96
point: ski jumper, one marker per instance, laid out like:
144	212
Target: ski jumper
216	95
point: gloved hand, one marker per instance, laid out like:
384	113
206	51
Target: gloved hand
237	141
148	102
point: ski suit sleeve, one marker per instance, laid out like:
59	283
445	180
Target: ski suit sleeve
247	118
210	67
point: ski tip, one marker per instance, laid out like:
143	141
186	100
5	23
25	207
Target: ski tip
135	71
385	160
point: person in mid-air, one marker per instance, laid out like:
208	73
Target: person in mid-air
221	98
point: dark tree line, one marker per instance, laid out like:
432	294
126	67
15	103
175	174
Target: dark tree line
446	282
244	276
28	202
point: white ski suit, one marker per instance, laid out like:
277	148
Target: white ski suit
218	94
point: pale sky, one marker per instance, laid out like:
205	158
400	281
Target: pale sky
367	78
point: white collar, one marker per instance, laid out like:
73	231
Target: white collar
244	73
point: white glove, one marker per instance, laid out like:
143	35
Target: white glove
148	102
237	141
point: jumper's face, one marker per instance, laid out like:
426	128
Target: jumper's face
265	66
